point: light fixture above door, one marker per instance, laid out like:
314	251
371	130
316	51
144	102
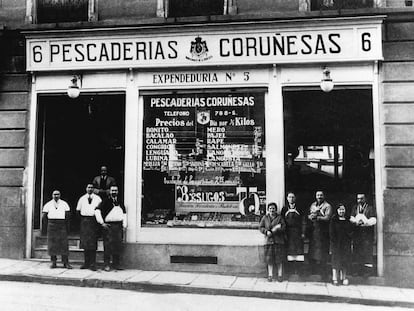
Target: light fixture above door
74	87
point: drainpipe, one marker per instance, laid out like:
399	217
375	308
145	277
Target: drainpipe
30	169
379	176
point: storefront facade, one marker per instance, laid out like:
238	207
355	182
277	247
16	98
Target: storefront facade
200	122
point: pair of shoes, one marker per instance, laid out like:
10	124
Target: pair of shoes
345	282
84	267
107	268
269	278
92	267
335	282
53	265
67	266
280	279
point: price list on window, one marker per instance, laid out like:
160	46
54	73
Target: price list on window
204	132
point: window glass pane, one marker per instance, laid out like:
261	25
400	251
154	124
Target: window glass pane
341	4
357	4
321	160
179	8
399	3
55	11
204	159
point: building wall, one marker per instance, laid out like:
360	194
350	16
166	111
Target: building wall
234	259
14	99
12	12
398	138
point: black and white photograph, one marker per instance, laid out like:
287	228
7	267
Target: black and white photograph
206	155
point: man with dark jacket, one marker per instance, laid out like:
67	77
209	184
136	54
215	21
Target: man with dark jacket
364	217
102	183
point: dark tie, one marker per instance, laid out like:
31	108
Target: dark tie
103	183
89	200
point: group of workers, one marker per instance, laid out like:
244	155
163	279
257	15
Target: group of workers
99	206
346	237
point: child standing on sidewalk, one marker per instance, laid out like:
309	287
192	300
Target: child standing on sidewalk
273	227
340	232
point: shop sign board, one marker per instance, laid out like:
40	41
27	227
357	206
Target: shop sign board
338	43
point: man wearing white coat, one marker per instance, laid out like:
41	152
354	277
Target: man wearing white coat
57	212
88	227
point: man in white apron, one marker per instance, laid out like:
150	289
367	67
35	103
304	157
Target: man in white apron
57	212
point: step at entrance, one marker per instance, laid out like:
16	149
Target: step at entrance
75	252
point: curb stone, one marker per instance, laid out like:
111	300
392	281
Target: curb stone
188	289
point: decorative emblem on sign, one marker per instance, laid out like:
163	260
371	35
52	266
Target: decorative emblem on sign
199	50
203	117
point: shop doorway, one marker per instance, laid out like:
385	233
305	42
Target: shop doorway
329	144
74	138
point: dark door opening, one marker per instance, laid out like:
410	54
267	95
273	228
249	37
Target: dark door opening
74	138
329	144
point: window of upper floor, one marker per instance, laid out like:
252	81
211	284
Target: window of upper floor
357	4
56	11
181	8
341	4
59	11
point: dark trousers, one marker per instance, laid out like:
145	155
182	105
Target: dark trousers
295	267
362	270
115	259
65	259
90	258
320	268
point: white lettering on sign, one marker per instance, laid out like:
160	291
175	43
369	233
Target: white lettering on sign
183	194
193	102
334	42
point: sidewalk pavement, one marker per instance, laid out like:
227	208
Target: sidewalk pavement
202	283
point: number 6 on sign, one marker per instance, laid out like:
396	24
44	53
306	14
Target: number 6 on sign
366	41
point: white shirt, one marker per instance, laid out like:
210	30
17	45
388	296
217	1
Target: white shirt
85	208
366	222
292	209
116	214
56	210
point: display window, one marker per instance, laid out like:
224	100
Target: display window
204	159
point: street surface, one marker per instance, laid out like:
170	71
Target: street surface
17	296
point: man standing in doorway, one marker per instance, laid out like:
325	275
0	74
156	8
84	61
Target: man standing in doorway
364	217
57	212
111	215
103	182
88	227
295	231
320	213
